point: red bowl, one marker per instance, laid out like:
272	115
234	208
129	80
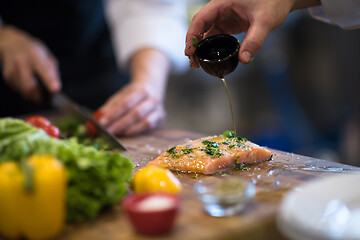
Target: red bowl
151	221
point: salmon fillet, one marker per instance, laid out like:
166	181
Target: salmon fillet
209	155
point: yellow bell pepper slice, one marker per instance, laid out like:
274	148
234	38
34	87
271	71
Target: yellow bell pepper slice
155	179
36	214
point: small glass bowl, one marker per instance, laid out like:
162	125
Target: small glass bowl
151	218
224	196
218	54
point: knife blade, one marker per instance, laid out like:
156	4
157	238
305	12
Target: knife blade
62	101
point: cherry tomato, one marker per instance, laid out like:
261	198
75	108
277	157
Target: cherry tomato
52	131
91	129
38	121
97	115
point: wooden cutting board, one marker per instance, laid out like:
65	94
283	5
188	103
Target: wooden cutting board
273	180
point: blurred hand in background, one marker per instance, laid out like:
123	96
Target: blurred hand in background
139	106
23	58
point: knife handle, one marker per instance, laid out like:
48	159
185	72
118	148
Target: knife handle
46	95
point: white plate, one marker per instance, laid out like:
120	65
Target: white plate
328	208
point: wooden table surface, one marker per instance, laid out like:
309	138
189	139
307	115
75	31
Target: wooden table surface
273	179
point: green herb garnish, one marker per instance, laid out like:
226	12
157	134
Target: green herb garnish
215	152
224	175
231	146
172	152
240	139
210	143
221	174
212	148
170	149
229	134
240	167
240	146
187	150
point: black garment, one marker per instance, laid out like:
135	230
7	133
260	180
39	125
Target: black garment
76	32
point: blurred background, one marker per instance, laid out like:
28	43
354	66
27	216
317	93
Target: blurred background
301	93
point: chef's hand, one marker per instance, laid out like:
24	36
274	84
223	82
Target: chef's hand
24	57
139	106
255	17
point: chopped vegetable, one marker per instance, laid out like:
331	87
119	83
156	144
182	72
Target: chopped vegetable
95	178
74	128
90	127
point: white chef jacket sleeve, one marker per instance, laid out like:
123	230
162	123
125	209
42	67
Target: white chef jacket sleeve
137	24
344	13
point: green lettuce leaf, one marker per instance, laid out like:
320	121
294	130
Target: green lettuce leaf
95	178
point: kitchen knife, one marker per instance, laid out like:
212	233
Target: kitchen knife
62	101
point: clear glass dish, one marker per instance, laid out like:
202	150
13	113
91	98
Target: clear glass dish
224	196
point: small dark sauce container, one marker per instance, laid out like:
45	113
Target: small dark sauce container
218	54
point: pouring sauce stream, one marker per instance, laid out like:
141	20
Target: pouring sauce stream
231	107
